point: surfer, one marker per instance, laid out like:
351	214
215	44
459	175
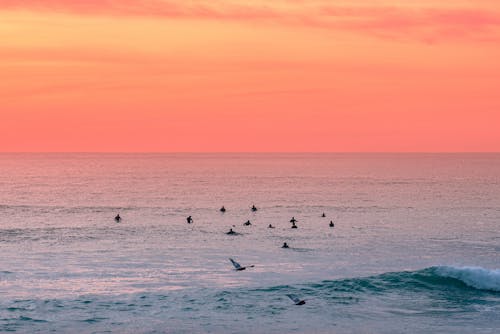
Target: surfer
223	209
247	223
254	208
118	218
270	226
331	223
293	220
285	245
323	215
231	231
189	220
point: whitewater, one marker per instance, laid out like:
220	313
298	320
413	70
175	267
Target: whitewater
415	247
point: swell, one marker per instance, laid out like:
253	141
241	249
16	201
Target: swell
438	278
432	278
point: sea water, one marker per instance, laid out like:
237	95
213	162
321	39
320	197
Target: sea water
415	247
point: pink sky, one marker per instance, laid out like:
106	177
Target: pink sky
249	75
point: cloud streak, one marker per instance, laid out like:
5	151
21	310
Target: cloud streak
426	24
432	23
156	8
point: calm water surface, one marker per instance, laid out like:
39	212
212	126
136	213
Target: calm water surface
415	247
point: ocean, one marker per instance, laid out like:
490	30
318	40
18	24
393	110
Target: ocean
415	247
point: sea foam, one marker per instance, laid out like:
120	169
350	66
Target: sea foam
476	277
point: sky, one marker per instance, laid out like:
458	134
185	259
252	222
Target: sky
249	76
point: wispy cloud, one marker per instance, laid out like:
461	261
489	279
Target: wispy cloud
430	22
426	23
159	8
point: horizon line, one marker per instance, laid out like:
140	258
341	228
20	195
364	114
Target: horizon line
249	152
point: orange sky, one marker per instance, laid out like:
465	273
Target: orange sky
222	75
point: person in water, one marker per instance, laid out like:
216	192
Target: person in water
270	226
231	231
293	220
189	220
285	245
254	208
331	223
293	225
247	223
223	209
118	218
323	215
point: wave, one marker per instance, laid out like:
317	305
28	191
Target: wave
476	277
433	278
438	280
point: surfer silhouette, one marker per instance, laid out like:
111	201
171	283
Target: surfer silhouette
118	218
189	220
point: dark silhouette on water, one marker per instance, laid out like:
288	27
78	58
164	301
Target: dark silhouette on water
293	220
285	245
270	226
293	225
296	300
331	223
189	220
323	215
118	218
223	209
238	267
247	223
231	231
254	208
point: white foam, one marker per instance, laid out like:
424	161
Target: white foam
476	277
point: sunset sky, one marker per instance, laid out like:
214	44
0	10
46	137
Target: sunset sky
234	75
